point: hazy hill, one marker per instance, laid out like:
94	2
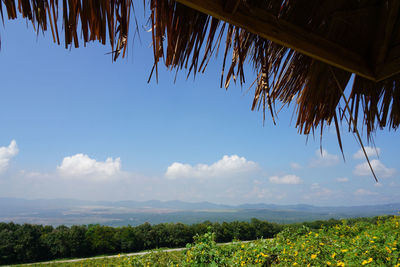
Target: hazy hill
70	211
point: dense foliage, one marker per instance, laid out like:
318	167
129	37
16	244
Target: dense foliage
372	242
32	243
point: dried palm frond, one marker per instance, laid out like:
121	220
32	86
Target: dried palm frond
95	19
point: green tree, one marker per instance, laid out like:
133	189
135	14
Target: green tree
7	243
28	247
102	239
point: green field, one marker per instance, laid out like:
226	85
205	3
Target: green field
360	244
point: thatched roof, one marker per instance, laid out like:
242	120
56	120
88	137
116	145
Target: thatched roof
303	51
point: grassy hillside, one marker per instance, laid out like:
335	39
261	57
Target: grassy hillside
363	243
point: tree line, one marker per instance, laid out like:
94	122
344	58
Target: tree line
32	243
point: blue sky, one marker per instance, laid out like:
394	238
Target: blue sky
76	125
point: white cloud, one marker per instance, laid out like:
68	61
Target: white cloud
371	152
363	192
6	153
225	167
324	159
262	194
295	165
286	179
318	193
379	169
81	165
342	179
315	186
259	193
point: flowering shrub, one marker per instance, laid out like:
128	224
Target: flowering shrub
203	252
342	245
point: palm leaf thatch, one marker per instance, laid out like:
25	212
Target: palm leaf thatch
97	20
359	37
282	73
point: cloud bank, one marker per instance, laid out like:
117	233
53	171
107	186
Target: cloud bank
6	153
83	165
225	167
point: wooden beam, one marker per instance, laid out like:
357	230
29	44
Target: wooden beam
388	69
284	33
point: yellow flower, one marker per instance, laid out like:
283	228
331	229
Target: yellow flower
295	263
340	263
321	244
333	255
364	262
369	260
313	256
372	241
295	253
328	263
388	250
344	250
316	235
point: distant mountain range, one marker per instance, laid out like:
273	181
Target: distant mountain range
70	211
